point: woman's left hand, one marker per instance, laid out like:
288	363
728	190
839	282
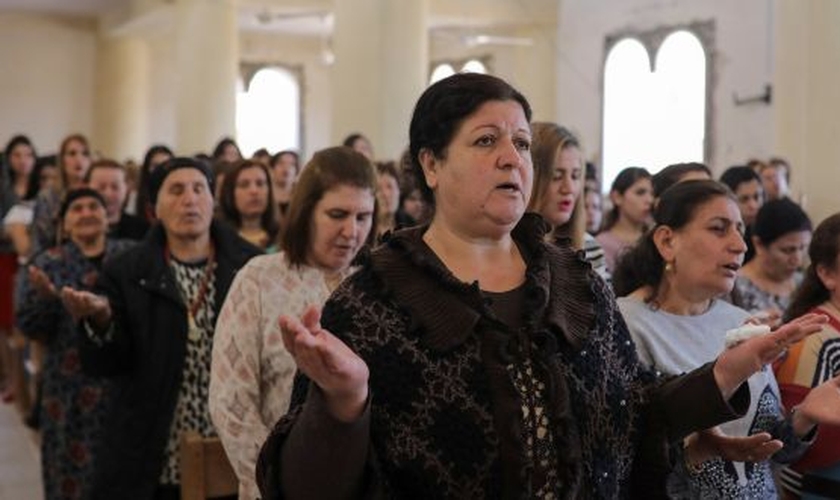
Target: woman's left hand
820	406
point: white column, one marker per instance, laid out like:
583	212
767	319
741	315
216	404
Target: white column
807	100
122	98
381	67
207	59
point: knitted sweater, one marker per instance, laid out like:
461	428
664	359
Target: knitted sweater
445	419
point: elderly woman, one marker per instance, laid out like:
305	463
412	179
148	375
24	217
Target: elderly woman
74	404
781	235
472	359
675	275
814	360
330	219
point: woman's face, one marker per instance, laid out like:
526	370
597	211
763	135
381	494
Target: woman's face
636	202
564	188
157	159
230	153
85	219
782	258
251	192
388	193
76	161
362	145
414	205
22	160
483	183
707	252
750	196
285	171
594	211
341	222
48	177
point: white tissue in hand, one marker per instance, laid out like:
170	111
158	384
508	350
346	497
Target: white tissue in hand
740	334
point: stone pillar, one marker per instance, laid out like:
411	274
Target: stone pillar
207	59
381	68
807	100
122	98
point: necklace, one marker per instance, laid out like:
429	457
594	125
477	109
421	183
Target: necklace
193	331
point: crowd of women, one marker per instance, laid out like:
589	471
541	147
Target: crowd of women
441	326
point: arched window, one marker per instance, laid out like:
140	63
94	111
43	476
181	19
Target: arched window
654	114
268	113
440	72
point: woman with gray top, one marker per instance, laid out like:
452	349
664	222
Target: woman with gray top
674	278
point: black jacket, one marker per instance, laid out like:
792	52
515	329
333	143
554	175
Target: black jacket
145	357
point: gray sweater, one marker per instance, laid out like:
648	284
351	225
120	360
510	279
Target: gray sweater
674	344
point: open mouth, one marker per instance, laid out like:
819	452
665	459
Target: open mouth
734	267
509	186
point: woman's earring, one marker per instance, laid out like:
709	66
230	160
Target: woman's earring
669	267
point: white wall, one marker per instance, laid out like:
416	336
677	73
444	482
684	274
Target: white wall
47	84
743	64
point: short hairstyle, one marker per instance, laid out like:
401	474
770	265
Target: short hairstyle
104	163
328	168
823	251
643	265
227	199
777	218
672	174
737	175
443	107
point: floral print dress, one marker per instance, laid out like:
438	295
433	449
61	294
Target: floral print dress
74	404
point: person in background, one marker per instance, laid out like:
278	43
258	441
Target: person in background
812	361
775	177
262	156
387	198
74	404
149	326
631	195
360	143
247	204
285	168
332	217
673	278
558	180
107	177
678	172
16	167
472	358
154	156
745	183
593	203
781	236
227	151
73	163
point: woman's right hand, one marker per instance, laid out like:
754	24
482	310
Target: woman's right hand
340	373
86	305
737	364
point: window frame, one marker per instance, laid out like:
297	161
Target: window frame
248	70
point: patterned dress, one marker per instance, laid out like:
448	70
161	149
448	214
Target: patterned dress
252	372
74	404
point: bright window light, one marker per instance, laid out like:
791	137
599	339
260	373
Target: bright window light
474	66
440	72
268	115
653	119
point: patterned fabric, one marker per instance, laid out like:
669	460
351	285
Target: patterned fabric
749	297
595	256
252	373
44	219
74	404
191	411
445	418
809	363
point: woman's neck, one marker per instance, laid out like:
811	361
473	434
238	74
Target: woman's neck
494	262
190	249
75	183
21	185
282	194
682	301
250	224
91	247
627	230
